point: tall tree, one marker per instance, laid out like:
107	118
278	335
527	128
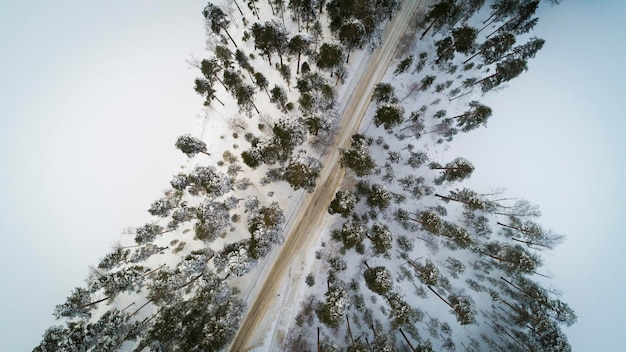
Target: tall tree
477	115
191	145
298	45
494	49
456	170
352	35
216	20
505	71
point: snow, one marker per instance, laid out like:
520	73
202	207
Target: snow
214	192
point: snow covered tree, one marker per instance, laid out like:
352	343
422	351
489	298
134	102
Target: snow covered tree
217	20
330	57
234	259
512	258
462	41
206	321
427	273
381	238
343	203
210	181
470	200
526	51
384	93
179	182
146	251
191	145
332	311
114	259
456	170
440	14
213	221
357	157
352	35
477	115
494	49
265	226
270	37
302	172
379	197
279	97
532	234
505	71
162	206
147	233
298	45
389	115
378	279
79	304
522	21
401	313
128	279
351	234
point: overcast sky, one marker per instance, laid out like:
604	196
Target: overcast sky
94	93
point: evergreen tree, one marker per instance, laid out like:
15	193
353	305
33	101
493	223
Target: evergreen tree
456	170
343	203
389	115
477	115
191	145
330	57
216	20
302	172
357	157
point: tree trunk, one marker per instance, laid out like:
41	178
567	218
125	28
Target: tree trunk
238	8
128	306
138	309
441	298
473	56
486	78
529	243
271	7
505	23
517	287
318	340
407	340
94	303
459	96
427	29
298	67
218	100
349	329
231	38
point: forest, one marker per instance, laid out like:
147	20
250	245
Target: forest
405	257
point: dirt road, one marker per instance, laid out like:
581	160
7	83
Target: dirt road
303	229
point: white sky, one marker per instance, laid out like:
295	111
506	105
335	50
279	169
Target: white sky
94	94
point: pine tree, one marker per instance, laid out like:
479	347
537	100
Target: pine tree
191	145
456	170
217	20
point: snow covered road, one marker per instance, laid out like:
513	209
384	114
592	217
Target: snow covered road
304	226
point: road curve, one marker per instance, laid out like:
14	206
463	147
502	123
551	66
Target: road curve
304	227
